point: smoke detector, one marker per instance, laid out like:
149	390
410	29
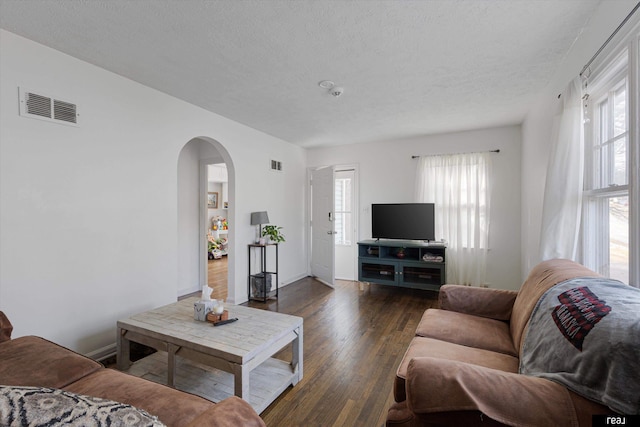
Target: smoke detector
331	87
336	91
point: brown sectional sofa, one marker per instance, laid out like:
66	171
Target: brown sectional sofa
34	361
462	366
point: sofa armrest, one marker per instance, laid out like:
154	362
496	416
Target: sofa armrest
5	327
230	412
485	302
439	385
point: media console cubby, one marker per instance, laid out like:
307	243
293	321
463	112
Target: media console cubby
402	263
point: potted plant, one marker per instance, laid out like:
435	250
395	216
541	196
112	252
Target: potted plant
273	232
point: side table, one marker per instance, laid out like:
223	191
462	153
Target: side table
260	283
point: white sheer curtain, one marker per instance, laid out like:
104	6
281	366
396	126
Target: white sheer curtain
459	185
563	188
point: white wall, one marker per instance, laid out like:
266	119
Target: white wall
89	214
188	218
387	175
536	128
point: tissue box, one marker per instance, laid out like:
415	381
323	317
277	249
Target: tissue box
200	310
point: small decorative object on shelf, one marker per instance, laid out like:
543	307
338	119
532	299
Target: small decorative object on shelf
219	223
212	200
430	257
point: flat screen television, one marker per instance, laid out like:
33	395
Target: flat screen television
406	221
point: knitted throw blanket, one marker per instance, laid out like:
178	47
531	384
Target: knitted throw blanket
585	334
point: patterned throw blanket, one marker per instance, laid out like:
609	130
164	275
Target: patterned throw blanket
48	407
585	334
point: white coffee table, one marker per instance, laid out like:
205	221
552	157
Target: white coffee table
243	348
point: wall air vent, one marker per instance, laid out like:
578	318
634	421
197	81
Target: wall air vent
39	106
64	111
275	165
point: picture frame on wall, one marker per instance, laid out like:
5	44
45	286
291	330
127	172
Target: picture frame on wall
212	200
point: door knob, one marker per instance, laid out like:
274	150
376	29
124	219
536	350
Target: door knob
331	232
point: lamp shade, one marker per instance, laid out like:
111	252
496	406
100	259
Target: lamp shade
258	218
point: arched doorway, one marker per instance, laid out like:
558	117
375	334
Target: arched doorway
193	220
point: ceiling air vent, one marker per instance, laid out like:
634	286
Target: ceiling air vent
39	106
276	165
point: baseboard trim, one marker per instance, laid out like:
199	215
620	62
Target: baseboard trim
294	279
187	291
103	353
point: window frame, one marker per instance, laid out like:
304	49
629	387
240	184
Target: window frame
609	73
347	235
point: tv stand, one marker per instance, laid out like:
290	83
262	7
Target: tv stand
404	263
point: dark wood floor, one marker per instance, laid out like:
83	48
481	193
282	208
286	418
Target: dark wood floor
353	343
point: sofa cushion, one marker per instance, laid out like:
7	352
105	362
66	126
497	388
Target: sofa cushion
173	407
42	406
436	385
484	302
467	330
429	347
34	361
542	277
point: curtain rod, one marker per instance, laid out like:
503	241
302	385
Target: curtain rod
448	154
609	39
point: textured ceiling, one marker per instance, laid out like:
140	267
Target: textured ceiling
408	67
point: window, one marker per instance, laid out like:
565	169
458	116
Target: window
343	222
607	180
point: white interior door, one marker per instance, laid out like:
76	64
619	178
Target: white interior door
322	232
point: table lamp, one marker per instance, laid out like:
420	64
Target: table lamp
259	218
